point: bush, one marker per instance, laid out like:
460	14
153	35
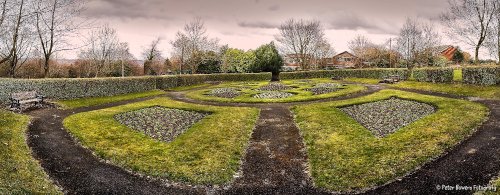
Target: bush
77	88
435	75
481	75
81	88
378	73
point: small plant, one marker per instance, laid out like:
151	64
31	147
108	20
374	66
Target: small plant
225	92
274	86
160	123
273	95
385	117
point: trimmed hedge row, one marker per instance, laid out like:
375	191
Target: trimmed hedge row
80	88
77	88
481	75
435	75
349	73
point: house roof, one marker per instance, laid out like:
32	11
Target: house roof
345	52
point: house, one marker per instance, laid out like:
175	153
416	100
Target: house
343	60
447	51
292	62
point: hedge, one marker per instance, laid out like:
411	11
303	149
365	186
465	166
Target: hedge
80	88
435	75
77	88
481	75
378	73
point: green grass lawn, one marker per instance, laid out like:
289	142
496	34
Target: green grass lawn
457	75
207	153
487	92
186	88
345	156
19	172
249	90
363	80
86	102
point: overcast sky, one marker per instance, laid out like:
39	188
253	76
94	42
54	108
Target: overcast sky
247	24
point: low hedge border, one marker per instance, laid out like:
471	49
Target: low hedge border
64	89
481	75
434	75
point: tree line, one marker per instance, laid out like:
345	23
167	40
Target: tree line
33	32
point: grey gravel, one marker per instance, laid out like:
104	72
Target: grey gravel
160	123
273	95
387	116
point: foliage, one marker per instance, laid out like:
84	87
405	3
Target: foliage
379	73
267	59
481	75
238	61
345	156
20	173
434	75
77	88
209	152
208	63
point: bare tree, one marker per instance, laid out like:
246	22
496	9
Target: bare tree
54	22
323	51
359	45
300	38
493	38
469	21
152	55
193	40
416	38
102	48
17	34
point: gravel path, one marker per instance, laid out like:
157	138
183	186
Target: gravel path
274	162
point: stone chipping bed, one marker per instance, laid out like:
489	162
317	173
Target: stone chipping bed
273	95
274	86
225	92
387	116
160	123
324	88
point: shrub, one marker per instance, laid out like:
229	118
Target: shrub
481	75
435	75
77	88
377	73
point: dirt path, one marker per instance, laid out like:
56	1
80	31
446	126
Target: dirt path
275	161
76	169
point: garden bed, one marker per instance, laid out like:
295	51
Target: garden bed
208	152
160	123
387	116
344	156
275	92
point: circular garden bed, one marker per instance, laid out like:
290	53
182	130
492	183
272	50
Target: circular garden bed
274	92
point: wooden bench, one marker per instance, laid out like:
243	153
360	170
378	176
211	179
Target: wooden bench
391	79
17	99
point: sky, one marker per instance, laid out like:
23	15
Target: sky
247	24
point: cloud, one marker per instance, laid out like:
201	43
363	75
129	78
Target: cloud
274	8
265	25
350	21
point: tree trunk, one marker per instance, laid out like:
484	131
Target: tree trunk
275	76
46	68
476	55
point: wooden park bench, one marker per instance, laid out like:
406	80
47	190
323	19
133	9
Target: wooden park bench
391	79
17	99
